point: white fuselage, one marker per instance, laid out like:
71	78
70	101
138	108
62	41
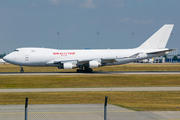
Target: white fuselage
47	57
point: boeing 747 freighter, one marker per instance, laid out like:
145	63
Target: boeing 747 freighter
85	60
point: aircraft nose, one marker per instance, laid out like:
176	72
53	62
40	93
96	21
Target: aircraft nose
9	58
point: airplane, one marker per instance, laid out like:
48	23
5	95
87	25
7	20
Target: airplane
85	60
2	61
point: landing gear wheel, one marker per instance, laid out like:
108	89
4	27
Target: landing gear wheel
78	70
87	70
21	70
90	70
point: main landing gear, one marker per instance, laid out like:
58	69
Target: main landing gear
86	70
21	69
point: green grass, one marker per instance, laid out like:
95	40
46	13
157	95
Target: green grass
88	81
124	67
141	101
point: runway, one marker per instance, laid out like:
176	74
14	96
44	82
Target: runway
91	89
81	112
94	73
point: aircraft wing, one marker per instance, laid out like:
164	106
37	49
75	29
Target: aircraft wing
103	61
83	62
109	60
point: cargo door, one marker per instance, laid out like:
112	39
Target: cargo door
26	57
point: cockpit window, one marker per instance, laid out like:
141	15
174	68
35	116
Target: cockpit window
16	50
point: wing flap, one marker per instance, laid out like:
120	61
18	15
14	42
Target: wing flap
83	62
108	60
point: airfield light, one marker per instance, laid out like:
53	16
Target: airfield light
98	39
58	39
132	38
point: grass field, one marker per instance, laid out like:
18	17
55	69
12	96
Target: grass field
125	67
142	101
89	81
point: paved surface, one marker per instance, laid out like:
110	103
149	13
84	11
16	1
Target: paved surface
80	112
95	73
92	89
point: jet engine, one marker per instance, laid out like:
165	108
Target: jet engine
67	66
94	64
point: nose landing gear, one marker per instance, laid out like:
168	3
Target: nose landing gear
21	69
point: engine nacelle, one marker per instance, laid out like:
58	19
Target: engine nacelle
93	64
142	55
67	66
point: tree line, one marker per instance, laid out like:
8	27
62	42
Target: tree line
2	55
175	58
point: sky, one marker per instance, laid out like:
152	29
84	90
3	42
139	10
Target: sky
121	24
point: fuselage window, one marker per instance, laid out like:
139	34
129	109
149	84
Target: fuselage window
32	50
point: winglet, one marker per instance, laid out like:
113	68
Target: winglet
159	39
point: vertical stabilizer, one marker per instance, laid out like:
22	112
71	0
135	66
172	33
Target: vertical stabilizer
159	39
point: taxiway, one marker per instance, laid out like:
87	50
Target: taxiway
94	73
91	89
81	112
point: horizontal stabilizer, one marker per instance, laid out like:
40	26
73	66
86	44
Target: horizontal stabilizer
159	52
